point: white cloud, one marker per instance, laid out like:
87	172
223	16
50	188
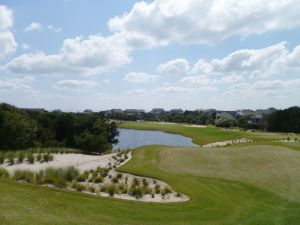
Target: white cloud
137	92
25	46
139	77
7	41
11	84
34	26
105	81
174	67
6	18
172	90
198	81
201	21
264	87
83	56
55	29
251	63
75	84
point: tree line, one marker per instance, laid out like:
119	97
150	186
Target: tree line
21	129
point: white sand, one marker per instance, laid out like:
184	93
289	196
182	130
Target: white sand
225	143
80	161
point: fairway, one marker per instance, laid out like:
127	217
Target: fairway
205	135
238	196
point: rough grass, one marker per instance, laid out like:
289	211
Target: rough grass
213	200
205	135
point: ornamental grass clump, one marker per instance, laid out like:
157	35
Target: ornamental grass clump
98	179
24	175
71	173
21	157
111	189
78	187
30	158
157	189
3	173
2	158
136	192
166	190
39	177
55	176
11	159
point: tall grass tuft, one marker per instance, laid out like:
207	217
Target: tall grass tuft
3	173
2	158
55	176
24	175
21	157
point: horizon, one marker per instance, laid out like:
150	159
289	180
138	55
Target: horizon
73	55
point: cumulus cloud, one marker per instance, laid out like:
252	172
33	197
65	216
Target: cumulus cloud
34	26
201	21
174	67
172	90
11	84
55	29
251	63
137	92
75	84
264	87
83	56
139	77
7	41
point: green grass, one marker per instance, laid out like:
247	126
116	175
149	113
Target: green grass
214	200
205	135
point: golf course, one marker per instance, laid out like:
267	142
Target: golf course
254	183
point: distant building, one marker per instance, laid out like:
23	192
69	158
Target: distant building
157	111
88	111
256	119
223	114
35	109
177	111
117	111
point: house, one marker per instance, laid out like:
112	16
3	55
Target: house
116	111
157	111
88	111
176	111
256	119
35	109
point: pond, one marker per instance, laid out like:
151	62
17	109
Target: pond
130	138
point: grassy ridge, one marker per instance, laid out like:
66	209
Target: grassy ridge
213	200
205	135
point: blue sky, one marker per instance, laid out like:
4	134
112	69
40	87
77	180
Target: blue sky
76	55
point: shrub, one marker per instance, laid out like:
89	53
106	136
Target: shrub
135	182
82	177
123	188
166	190
21	157
24	175
51	157
145	183
71	173
46	157
137	192
157	189
115	180
39	177
11	159
147	190
3	173
55	176
178	195
78	187
111	189
119	175
2	158
91	189
30	158
39	157
98	180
